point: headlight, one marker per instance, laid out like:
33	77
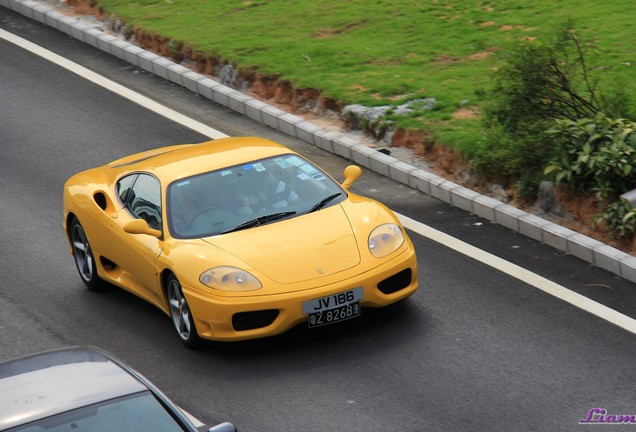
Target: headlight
385	239
229	279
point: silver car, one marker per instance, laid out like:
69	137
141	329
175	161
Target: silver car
85	389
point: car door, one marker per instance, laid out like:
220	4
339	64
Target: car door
136	254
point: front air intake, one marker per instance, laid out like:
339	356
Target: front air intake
396	282
252	320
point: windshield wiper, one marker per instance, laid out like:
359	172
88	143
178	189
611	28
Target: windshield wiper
259	221
324	202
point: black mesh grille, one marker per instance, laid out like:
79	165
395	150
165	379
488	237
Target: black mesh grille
396	282
253	320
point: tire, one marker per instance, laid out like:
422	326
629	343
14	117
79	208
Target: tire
83	256
180	313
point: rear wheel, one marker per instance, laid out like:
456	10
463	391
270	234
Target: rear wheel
180	313
83	255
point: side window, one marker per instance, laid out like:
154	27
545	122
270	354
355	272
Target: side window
123	187
145	200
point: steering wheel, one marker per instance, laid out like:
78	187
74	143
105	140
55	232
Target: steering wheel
205	211
273	196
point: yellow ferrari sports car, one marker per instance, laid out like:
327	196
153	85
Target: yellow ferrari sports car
236	238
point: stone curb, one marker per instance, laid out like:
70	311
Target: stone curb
341	144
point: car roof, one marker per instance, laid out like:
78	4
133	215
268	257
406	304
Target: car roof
179	161
52	382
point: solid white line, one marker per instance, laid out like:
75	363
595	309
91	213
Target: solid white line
197	423
500	264
522	274
112	86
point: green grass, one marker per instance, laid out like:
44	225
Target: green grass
377	52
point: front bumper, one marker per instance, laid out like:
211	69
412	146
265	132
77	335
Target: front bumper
233	318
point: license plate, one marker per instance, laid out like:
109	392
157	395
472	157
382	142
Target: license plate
334	308
334	315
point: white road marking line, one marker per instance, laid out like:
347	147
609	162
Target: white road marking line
522	274
500	264
195	421
112	86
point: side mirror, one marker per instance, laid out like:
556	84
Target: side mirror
140	226
223	427
351	174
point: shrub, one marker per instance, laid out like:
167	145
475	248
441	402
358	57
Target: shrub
509	160
538	83
619	219
598	154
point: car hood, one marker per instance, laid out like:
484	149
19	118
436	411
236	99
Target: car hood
294	250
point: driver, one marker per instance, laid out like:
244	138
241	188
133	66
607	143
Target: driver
266	189
184	204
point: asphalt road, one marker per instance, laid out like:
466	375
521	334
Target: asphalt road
473	350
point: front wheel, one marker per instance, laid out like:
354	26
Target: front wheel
180	313
83	255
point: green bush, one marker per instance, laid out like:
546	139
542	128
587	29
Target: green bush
619	218
595	153
598	154
512	160
539	82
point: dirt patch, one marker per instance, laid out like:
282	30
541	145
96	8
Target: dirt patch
324	33
281	93
358	87
481	55
418	141
583	207
85	7
329	32
445	58
465	113
445	162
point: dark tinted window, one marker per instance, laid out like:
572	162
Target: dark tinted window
123	187
211	203
140	412
144	200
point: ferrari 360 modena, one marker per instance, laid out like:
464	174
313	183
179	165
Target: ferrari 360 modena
236	238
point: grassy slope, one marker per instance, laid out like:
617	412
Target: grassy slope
376	52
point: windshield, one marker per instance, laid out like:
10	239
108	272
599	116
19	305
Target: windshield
137	413
248	195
